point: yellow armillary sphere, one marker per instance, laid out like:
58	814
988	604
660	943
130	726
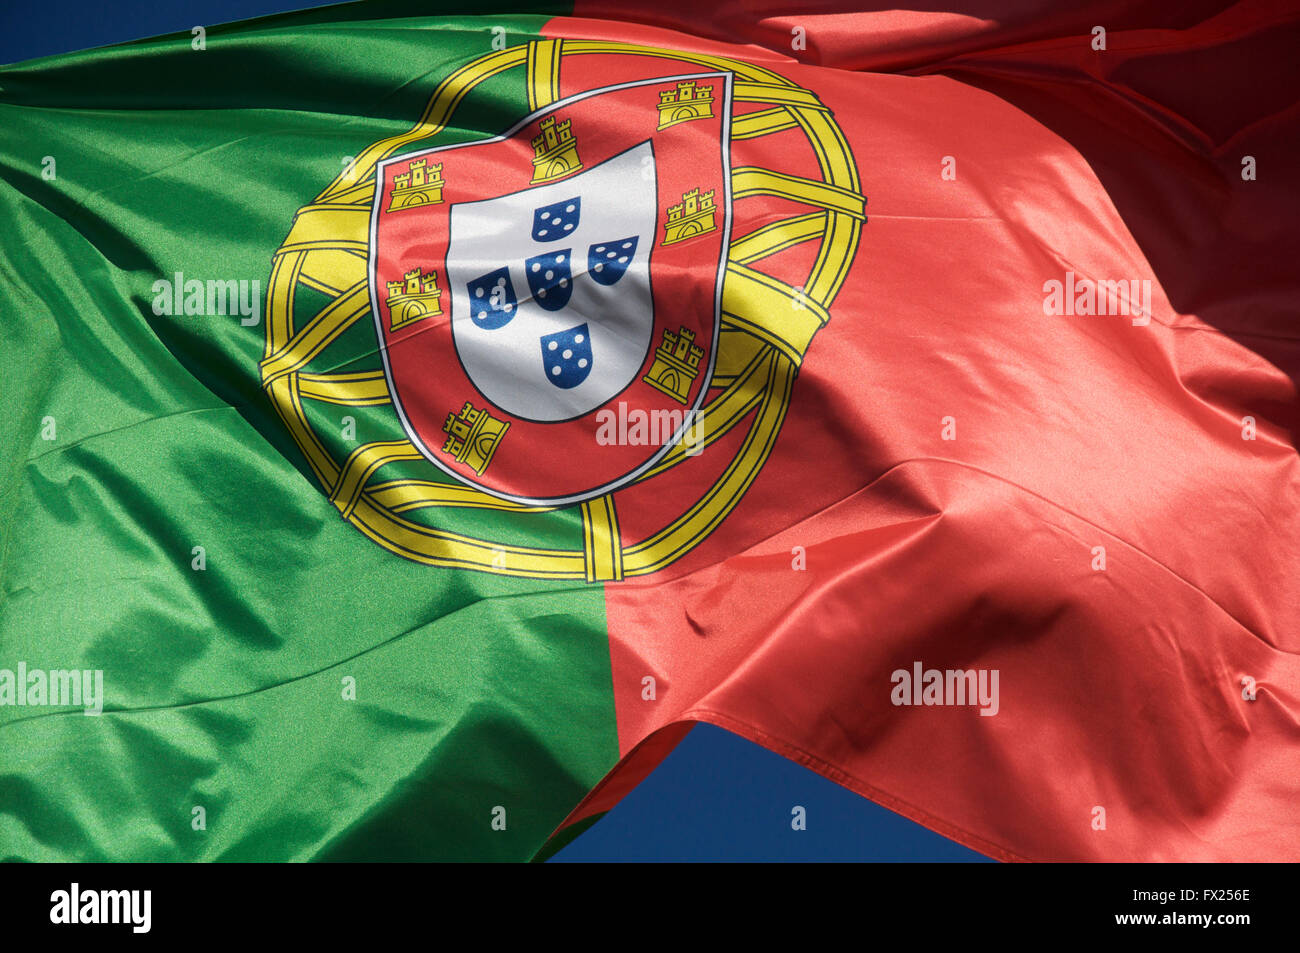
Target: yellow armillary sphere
387	484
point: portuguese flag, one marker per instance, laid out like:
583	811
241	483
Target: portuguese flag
411	424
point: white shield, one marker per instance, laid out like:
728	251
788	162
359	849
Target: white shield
507	363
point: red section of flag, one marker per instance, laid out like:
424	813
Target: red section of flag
1111	527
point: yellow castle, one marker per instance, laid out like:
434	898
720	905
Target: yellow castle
415	297
685	103
694	215
556	151
676	365
420	184
473	436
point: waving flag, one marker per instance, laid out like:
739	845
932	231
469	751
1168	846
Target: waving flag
412	424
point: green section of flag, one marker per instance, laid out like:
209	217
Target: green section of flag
225	687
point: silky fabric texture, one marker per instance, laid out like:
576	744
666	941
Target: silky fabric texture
1120	688
225	686
1097	531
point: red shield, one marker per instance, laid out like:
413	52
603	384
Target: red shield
548	301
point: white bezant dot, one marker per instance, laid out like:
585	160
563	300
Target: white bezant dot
564	282
623	260
555	371
545	216
610	254
568	227
508	308
542	293
482	315
478	292
577	339
549	274
627	244
559	259
570	208
599	266
542	233
567	355
536	267
583	362
600	248
552	346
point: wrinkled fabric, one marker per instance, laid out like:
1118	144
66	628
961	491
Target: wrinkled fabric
870	543
1100	511
306	694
